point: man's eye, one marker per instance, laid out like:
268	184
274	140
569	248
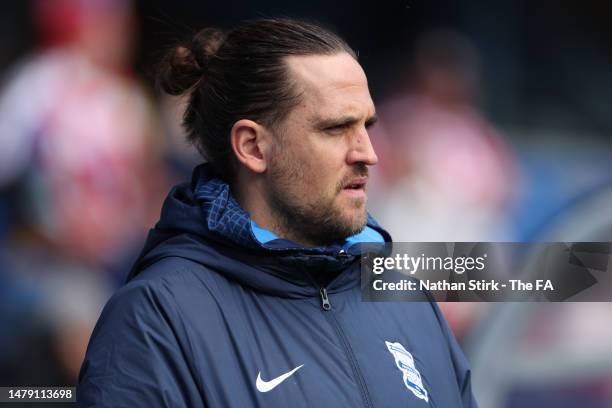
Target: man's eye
337	128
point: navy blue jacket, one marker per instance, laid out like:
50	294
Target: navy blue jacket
217	314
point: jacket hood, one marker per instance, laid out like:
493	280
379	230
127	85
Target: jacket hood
202	222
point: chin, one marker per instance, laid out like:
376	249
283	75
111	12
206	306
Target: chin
356	223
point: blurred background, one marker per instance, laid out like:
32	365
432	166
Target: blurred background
495	125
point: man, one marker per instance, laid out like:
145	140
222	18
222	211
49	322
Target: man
247	292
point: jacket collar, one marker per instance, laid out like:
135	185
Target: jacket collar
225	217
203	223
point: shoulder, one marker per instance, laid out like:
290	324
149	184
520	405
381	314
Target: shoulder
172	274
140	351
168	283
155	305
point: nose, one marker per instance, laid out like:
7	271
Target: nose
361	149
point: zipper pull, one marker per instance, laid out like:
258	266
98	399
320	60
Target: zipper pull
342	254
325	300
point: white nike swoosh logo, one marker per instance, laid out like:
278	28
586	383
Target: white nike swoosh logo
265	386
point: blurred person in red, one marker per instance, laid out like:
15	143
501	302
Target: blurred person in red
77	143
449	174
84	143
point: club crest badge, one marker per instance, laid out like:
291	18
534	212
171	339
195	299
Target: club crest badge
411	376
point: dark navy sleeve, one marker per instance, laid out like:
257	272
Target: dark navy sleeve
134	358
460	363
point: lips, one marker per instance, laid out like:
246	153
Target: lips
356	184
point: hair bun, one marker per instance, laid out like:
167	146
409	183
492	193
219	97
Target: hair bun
184	66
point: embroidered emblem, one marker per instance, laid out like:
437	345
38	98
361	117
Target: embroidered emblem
411	376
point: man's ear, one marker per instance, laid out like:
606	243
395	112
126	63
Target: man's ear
249	142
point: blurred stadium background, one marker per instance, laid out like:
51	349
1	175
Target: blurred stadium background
495	125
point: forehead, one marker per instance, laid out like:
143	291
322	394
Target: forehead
330	85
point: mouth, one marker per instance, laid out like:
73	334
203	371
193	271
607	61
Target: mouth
356	187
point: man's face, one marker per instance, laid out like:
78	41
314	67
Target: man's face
318	170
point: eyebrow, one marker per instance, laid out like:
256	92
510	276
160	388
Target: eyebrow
344	121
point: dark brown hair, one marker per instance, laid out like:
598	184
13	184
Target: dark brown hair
239	75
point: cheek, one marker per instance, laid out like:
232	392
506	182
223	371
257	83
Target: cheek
318	164
328	168
321	181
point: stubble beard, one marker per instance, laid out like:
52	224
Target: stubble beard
311	221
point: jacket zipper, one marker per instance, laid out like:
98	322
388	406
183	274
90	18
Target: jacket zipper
326	306
325	300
